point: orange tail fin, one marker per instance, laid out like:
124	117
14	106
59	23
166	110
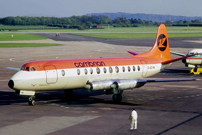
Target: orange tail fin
160	49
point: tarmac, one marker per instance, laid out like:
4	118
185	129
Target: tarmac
168	108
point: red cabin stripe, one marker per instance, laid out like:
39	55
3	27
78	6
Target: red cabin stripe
87	63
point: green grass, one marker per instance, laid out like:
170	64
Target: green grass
111	29
13	27
184	29
135	35
26	44
111	33
54	30
117	35
19	36
173	35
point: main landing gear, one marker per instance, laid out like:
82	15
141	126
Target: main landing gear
117	94
117	98
31	101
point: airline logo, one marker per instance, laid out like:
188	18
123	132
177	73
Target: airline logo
89	64
162	42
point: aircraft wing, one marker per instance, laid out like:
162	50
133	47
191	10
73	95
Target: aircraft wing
141	82
146	80
123	84
11	68
176	53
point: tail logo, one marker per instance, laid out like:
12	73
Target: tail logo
162	42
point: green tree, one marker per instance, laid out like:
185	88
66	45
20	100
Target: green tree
168	23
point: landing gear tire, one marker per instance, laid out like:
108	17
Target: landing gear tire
196	69
117	98
31	101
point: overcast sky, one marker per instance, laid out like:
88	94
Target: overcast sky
67	8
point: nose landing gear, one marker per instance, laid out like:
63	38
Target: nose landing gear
31	101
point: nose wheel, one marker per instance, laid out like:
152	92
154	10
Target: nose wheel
31	101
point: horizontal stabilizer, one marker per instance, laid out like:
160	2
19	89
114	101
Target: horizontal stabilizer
179	54
133	53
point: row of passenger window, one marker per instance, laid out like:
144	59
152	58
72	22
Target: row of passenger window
128	68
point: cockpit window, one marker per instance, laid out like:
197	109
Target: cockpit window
32	69
28	68
22	68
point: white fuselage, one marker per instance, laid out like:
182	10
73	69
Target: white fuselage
73	78
194	60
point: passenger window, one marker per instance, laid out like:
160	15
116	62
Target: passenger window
116	69
78	72
110	70
138	68
105	70
91	71
85	71
63	73
98	70
134	68
128	68
123	68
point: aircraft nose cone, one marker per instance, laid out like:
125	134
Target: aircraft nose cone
11	84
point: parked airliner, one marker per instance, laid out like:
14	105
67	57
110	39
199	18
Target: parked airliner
112	75
194	62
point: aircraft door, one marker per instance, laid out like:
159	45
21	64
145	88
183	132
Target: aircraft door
144	68
51	74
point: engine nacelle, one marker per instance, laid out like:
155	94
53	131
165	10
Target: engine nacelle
121	84
127	84
99	85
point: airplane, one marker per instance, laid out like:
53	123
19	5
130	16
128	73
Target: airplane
111	75
194	62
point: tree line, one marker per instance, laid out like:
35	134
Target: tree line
83	22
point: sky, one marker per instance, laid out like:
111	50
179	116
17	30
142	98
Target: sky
67	8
